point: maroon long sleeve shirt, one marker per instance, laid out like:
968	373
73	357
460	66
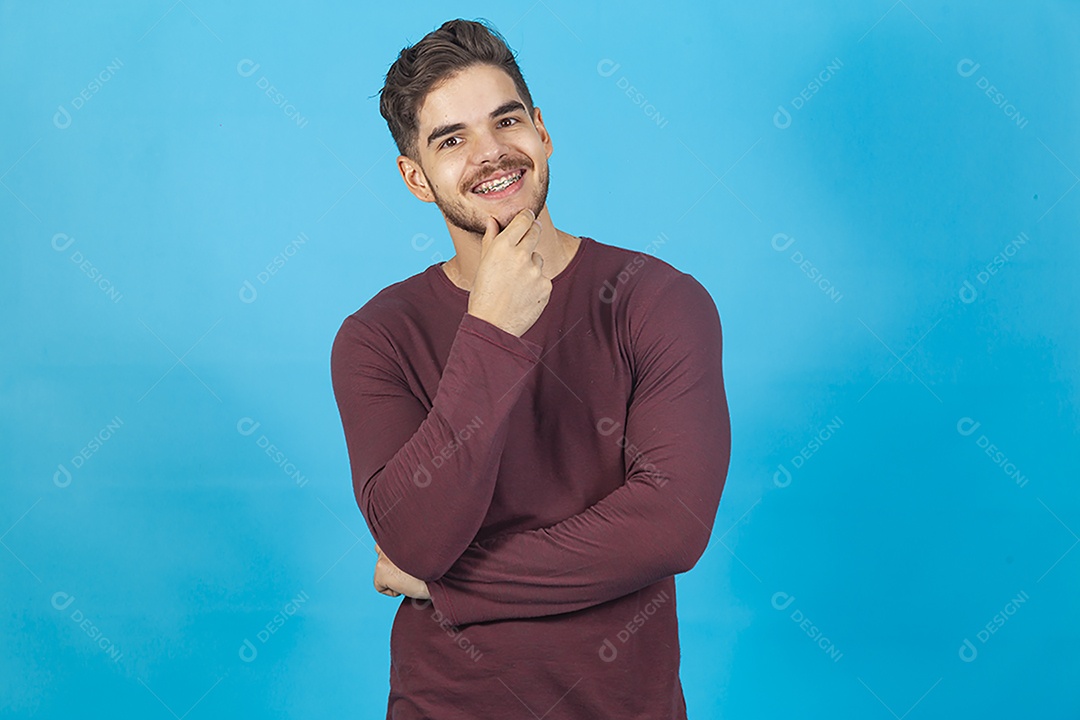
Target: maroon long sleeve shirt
547	488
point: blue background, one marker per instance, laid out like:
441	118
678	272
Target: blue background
844	252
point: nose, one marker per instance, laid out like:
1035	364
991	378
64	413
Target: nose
488	148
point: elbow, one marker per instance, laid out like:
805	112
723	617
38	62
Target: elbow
697	530
407	546
414	558
428	566
690	549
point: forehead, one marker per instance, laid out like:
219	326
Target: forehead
467	97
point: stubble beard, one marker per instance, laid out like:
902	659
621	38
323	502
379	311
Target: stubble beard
470	219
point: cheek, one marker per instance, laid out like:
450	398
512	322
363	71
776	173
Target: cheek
452	181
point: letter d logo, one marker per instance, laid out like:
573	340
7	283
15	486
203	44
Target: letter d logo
246	426
422	477
607	293
61	600
782	118
248	293
968	293
966	426
782	477
966	67
62	477
246	67
605	426
62	118
782	237
65	245
248	652
781	600
606	67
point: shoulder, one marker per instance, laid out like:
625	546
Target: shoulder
379	320
644	283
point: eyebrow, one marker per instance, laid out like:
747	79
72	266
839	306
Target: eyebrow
504	109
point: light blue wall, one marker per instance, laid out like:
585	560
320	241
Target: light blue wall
892	247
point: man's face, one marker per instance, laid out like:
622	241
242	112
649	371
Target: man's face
473	128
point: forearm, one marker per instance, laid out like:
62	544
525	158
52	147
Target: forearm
631	539
677	447
426	502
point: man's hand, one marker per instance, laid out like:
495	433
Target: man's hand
510	291
391	581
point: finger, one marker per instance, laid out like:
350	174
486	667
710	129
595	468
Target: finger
538	261
386	590
532	236
378	549
519	227
491	231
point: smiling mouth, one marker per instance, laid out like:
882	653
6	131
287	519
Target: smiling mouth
500	183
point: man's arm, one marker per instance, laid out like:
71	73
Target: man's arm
422	503
677	445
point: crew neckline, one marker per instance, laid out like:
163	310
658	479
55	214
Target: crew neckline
584	242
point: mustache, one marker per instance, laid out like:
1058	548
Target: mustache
505	167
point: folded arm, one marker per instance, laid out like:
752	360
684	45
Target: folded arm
677	444
423	488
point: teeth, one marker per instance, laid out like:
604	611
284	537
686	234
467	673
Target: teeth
500	184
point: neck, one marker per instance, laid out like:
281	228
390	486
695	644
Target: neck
554	246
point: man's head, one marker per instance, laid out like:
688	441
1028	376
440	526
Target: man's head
460	114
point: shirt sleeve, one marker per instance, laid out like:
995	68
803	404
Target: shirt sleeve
424	479
677	448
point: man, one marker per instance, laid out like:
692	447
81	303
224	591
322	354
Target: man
537	429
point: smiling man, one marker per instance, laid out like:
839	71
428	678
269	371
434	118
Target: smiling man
537	429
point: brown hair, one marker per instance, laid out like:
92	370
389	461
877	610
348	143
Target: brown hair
442	53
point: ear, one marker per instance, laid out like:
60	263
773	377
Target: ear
414	178
545	138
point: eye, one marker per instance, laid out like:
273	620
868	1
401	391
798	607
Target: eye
444	142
